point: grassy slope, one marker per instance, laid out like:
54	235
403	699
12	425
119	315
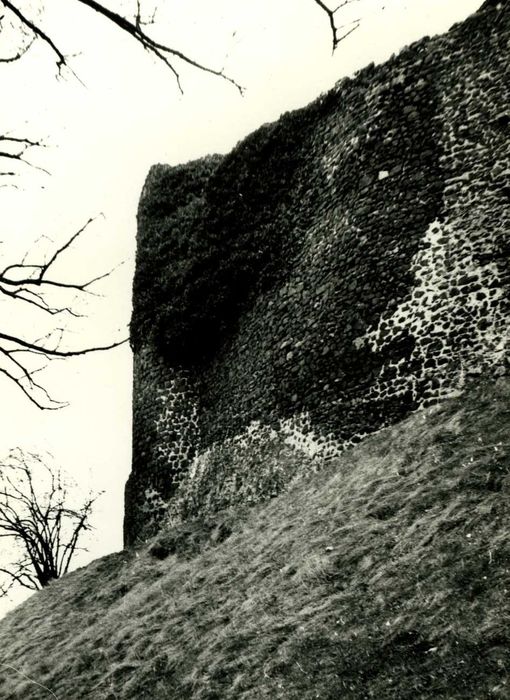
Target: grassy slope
385	576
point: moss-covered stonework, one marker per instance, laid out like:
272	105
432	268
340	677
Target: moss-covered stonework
351	264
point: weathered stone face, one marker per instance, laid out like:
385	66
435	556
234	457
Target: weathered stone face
386	289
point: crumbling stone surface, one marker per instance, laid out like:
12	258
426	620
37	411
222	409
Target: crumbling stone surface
391	283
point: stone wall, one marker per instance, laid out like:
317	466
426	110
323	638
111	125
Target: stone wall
379	280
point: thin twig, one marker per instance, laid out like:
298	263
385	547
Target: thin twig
29	679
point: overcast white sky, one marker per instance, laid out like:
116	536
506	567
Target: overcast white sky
102	135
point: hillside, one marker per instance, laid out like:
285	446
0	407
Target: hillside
384	576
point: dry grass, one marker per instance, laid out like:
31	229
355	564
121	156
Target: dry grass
385	577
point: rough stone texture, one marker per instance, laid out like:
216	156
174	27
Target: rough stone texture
165	432
392	283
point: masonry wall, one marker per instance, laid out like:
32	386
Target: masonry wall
351	264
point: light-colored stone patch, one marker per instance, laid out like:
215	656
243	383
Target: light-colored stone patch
176	423
473	332
253	466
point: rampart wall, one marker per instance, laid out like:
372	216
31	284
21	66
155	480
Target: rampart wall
339	269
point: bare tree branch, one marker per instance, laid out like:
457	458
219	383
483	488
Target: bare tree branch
25	381
14	148
16	56
37	32
29	282
161	51
22	49
35	514
55	352
166	54
338	37
20	576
